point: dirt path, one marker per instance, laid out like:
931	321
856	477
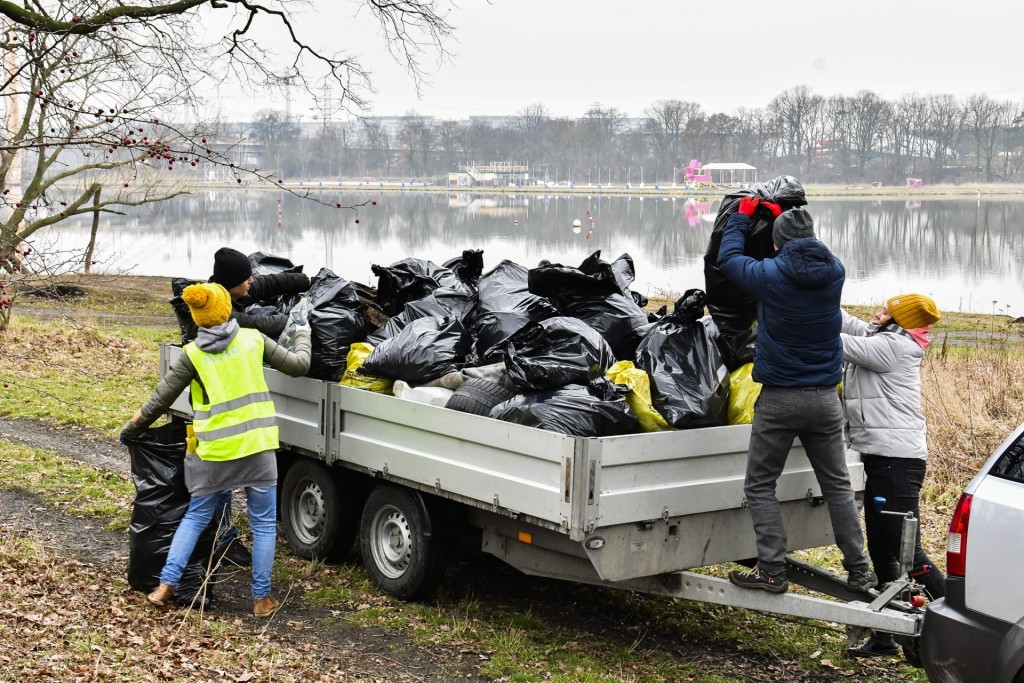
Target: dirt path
390	655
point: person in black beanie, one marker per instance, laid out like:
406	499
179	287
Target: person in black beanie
233	271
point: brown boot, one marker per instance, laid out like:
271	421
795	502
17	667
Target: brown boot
162	596
264	607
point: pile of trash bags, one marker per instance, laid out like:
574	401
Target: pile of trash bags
571	349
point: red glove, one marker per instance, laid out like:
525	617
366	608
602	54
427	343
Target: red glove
773	207
748	205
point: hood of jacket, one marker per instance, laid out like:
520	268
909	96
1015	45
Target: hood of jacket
216	339
809	263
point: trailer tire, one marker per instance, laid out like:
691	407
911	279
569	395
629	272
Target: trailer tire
399	550
477	396
319	511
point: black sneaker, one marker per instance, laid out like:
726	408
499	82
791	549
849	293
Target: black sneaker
861	581
878	645
237	554
760	580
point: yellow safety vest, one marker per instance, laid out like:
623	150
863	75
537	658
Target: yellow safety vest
233	414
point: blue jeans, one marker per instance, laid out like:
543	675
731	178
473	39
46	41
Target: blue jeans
816	416
262	504
899	481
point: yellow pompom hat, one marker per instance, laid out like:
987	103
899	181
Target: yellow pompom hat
913	310
209	303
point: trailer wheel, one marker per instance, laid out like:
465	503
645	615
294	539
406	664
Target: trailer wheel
319	512
399	551
477	396
911	646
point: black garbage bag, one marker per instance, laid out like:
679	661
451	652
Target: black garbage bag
733	310
186	325
468	266
555	352
392	327
689	382
161	499
505	306
423	350
621	269
268	264
411	279
440	303
336	322
596	409
594	294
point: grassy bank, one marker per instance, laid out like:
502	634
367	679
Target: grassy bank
93	376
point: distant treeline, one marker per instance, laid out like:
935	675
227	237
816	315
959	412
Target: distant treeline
844	139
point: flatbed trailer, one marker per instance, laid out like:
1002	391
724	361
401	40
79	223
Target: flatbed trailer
635	512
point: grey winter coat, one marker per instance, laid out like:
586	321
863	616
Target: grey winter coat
882	390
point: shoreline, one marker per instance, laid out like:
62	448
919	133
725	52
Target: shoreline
978	191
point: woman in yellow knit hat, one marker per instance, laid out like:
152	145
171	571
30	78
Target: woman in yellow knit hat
882	397
236	432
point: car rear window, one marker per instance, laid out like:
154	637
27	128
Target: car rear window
1011	464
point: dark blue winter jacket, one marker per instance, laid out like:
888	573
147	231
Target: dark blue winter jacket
798	314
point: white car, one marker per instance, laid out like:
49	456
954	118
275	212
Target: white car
976	633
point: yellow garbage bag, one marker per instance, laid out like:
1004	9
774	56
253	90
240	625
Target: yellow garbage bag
639	398
357	353
743	393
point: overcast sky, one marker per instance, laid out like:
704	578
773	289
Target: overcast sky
570	54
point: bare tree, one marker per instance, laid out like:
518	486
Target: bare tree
800	113
944	125
92	94
416	136
666	120
868	114
986	118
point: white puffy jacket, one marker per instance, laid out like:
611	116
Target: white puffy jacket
882	390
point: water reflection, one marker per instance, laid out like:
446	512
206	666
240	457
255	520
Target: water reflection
963	253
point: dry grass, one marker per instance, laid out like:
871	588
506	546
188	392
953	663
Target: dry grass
972	400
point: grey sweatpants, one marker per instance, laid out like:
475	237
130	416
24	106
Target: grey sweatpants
816	416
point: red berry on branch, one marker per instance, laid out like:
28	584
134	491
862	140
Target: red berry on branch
338	205
204	140
31	37
357	220
374	202
126	184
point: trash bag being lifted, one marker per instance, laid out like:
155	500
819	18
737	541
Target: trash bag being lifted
268	264
336	322
505	306
555	352
733	310
423	351
689	383
161	499
596	409
594	294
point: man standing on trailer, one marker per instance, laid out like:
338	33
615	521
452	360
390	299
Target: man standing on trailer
799	362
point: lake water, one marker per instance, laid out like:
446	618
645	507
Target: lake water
964	253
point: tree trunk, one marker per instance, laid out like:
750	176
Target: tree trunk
95	228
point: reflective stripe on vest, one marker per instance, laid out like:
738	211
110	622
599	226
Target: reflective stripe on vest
239	417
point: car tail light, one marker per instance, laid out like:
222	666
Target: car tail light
956	540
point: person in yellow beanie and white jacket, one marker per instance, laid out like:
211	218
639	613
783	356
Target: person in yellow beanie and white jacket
235	428
884	423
